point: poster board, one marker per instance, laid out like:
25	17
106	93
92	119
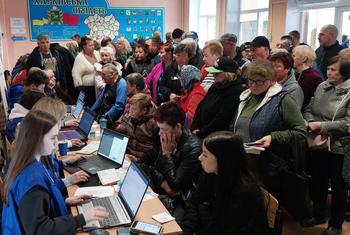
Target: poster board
61	19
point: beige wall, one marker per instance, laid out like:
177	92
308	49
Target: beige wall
174	17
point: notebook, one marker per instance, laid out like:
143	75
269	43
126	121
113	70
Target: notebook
123	208
82	131
110	154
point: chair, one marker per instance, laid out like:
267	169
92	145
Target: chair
273	213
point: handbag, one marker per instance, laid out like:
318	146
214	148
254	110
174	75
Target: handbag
318	141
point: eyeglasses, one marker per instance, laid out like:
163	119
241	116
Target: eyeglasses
256	82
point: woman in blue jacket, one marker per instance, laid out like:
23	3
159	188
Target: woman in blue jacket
33	202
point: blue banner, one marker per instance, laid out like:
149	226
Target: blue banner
61	19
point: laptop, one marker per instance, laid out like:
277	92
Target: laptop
110	153
123	208
78	107
82	131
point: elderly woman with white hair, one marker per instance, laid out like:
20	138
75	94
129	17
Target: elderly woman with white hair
107	55
308	78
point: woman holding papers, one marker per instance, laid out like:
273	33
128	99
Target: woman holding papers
268	116
33	203
228	199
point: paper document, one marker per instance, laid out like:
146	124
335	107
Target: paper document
109	176
253	150
163	217
90	148
98	191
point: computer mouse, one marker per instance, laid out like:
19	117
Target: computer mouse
99	232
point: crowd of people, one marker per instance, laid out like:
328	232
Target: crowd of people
188	112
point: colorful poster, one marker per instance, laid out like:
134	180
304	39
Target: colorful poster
61	19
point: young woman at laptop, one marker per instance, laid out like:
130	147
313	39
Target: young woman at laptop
228	199
54	166
33	203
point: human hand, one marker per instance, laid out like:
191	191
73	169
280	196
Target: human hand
168	143
75	200
95	213
80	176
133	158
72	122
195	131
76	142
174	97
165	186
264	142
314	126
72	159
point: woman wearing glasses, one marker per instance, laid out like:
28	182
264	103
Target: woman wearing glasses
268	116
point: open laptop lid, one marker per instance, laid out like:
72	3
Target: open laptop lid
113	146
86	122
78	108
133	189
81	96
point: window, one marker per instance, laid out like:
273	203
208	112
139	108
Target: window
313	20
253	19
203	19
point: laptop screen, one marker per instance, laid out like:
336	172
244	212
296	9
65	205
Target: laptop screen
79	107
113	146
133	189
86	121
81	96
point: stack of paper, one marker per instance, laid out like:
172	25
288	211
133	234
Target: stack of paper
90	148
109	176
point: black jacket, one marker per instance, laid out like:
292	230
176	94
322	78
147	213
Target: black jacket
169	82
217	108
323	56
179	170
243	213
34	60
68	61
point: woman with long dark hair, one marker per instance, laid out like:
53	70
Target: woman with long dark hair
33	202
228	199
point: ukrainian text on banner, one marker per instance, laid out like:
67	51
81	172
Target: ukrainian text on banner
61	19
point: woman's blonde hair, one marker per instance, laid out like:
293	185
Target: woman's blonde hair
109	51
214	46
307	52
49	105
143	101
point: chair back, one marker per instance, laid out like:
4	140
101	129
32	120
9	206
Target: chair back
273	213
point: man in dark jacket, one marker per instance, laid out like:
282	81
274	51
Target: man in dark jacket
329	47
45	57
177	167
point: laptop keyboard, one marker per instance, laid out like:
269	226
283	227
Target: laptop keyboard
116	216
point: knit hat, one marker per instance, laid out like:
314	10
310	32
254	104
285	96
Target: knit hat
223	64
189	73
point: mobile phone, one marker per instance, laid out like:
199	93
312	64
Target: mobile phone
148	228
123	231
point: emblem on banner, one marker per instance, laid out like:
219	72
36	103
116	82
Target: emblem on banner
55	15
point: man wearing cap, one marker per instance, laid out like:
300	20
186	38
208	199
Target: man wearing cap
228	41
260	48
221	102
